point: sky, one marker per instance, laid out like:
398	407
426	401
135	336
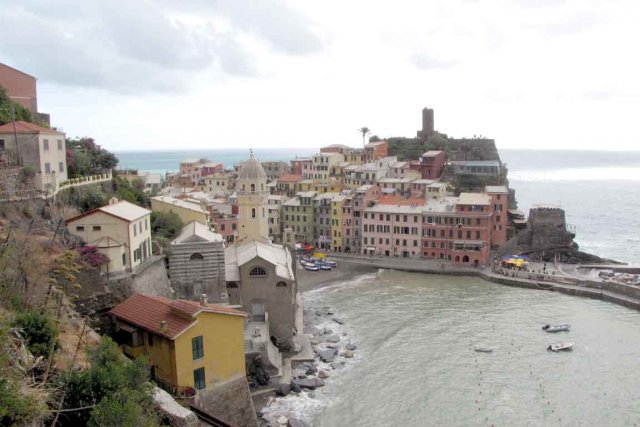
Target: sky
216	74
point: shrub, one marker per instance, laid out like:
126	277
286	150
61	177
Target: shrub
91	256
38	331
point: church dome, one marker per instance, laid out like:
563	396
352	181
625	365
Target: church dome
251	169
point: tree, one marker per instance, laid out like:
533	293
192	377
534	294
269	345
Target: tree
166	225
113	391
364	131
91	199
85	157
38	330
10	109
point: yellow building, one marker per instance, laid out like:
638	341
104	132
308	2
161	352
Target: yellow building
189	345
336	222
121	231
187	211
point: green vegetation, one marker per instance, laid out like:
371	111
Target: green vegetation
132	192
113	391
8	109
85	157
413	148
39	332
165	225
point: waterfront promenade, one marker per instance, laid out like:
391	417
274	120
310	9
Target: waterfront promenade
563	279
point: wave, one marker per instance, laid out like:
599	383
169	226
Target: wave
577	174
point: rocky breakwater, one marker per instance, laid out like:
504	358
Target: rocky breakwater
300	399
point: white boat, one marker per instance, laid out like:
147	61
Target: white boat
559	346
482	349
309	267
556	328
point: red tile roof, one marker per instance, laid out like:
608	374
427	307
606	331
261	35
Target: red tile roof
290	178
395	199
25	127
148	311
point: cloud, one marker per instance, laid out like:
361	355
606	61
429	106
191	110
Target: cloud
147	45
424	61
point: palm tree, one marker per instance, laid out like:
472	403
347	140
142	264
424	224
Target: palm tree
364	131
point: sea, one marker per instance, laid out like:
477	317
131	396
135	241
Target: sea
415	333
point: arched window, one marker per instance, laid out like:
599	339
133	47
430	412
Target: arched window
257	271
253	188
253	212
196	256
281	285
232	285
465	258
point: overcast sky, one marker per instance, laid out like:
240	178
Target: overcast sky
166	74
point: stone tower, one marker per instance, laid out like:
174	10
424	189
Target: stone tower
427	123
251	188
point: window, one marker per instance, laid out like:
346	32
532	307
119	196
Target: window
198	378
135	229
80	228
197	347
253	211
232	285
1	144
59	144
124	259
45	144
96	228
60	166
146	224
257	271
196	256
253	189
47	168
281	285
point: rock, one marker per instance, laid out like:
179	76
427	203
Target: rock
350	346
323	374
328	355
327	331
337	365
295	388
283	389
314	340
348	354
308	383
333	338
294	422
344	334
336	346
283	421
311	395
338	321
318	313
319	382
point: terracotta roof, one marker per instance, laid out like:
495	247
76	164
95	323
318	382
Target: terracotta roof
148	311
25	127
290	178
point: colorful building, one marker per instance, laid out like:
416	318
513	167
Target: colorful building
189	345
337	204
121	231
187	211
299	215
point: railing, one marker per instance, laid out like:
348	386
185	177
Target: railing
83	180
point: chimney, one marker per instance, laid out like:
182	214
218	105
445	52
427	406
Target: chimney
163	326
203	300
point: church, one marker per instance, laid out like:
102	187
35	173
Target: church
260	275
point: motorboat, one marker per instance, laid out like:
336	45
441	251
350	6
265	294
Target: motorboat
556	328
560	346
482	349
324	267
311	267
331	264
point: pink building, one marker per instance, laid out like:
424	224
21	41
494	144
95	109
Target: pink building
392	230
227	226
500	205
430	164
353	214
300	166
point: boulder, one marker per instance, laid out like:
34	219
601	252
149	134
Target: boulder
333	338
295	422
336	346
319	382
311	395
283	421
323	374
283	389
318	313
328	355
295	388
348	354
308	383
350	346
337	365
338	321
327	331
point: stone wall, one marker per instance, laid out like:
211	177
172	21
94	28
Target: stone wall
229	401
198	268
